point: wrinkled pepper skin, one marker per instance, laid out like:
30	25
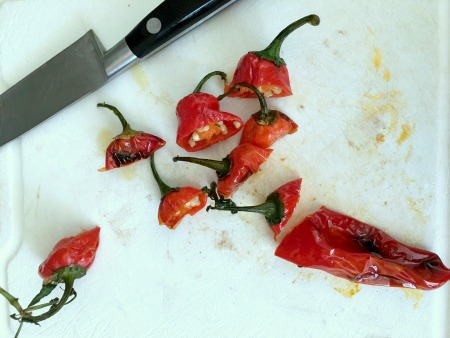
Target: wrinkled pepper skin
178	203
245	161
289	194
350	249
124	151
264	135
199	111
271	80
77	250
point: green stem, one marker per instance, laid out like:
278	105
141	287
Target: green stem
207	77
125	125
41	306
272	51
12	300
18	330
163	187
222	167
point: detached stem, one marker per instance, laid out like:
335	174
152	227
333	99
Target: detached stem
125	125
163	187
207	77
267	208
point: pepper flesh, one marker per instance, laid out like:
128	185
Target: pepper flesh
350	249
202	124
265	69
179	203
130	146
77	250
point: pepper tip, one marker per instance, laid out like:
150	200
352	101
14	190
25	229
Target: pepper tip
315	20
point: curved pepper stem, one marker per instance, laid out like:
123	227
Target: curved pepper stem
221	167
127	130
207	77
272	51
272	208
163	187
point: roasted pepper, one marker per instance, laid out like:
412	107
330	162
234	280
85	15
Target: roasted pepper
277	209
69	260
177	202
265	69
130	146
201	123
361	253
233	170
266	125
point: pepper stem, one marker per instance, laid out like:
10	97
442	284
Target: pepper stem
125	125
207	77
12	300
163	187
272	208
222	167
272	51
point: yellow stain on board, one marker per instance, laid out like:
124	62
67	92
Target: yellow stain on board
414	295
414	206
377	58
389	103
380	138
386	75
344	287
104	138
139	77
128	173
405	134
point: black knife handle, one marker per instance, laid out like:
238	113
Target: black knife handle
169	20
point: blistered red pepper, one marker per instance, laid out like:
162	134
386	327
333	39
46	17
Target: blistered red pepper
130	146
265	69
232	171
266	125
69	260
277	209
176	203
201	123
361	253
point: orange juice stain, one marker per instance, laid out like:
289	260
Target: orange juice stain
406	133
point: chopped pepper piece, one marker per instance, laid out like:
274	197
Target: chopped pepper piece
130	146
265	69
201	123
277	209
361	253
232	171
176	203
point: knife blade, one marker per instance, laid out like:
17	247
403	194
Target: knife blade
85	65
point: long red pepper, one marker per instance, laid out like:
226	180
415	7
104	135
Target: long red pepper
265	69
233	170
201	123
69	260
266	125
277	208
130	146
176	203
348	248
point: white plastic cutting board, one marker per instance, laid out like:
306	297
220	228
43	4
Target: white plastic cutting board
371	99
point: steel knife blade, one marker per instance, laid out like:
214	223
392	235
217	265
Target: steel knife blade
85	65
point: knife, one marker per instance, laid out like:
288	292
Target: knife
85	65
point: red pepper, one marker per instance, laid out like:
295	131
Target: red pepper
201	123
277	209
232	171
266	125
361	253
176	203
265	69
69	260
130	146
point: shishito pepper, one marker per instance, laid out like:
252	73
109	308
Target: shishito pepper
265	69
233	170
361	253
201	123
130	146
177	202
277	208
70	258
266	125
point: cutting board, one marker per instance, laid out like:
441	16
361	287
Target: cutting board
371	98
